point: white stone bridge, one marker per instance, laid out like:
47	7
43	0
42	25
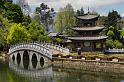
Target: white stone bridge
39	51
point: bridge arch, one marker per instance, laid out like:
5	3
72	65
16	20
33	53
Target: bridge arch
18	58
34	57
13	57
41	61
26	59
34	60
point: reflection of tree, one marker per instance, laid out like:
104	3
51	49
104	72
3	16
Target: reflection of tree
7	75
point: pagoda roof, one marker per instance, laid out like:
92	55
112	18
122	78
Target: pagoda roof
88	28
88	16
88	38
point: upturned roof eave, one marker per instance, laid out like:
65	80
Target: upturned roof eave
88	38
87	28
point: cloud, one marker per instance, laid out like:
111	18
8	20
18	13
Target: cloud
77	4
122	15
56	4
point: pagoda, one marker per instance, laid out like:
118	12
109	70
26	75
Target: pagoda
88	38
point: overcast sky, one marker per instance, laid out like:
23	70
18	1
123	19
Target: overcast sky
101	6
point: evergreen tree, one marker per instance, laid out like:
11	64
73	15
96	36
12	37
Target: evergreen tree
112	19
13	12
82	11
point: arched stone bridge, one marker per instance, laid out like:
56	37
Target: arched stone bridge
38	51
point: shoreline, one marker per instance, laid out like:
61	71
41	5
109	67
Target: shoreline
100	66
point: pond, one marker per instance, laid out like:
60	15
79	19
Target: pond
10	72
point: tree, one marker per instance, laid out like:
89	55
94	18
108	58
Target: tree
38	34
101	21
58	40
37	9
13	12
17	33
26	20
46	15
82	11
110	33
117	44
36	17
78	12
109	43
112	19
65	18
122	34
4	28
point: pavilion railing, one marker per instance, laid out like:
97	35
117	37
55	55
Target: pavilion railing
114	51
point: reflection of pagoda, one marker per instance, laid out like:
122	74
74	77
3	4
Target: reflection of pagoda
88	38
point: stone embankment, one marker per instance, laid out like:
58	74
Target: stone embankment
92	65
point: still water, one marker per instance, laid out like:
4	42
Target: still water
10	72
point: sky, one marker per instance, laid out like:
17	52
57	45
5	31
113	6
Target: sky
100	6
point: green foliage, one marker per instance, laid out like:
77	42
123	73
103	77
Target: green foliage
26	20
17	33
65	18
109	43
112	19
68	31
101	21
4	28
117	44
110	33
58	40
13	12
112	30
37	32
36	17
122	34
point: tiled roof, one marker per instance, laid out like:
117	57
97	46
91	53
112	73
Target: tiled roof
88	16
88	38
88	28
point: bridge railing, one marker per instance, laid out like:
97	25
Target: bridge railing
32	46
57	47
48	46
53	46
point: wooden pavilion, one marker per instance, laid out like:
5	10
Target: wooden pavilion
88	38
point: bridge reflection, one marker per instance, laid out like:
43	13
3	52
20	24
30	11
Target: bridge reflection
36	71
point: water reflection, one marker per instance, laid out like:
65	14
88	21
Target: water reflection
25	59
10	72
42	61
34	60
18	58
13	58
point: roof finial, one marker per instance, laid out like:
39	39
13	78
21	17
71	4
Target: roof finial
88	10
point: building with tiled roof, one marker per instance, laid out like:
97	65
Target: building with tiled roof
88	38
